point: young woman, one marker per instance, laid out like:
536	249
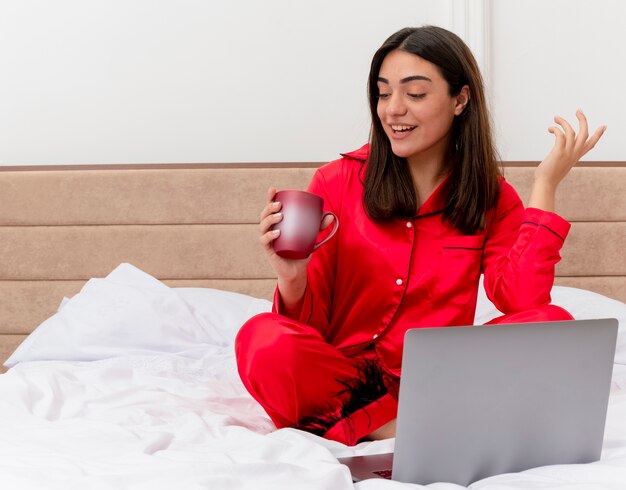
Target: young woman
424	211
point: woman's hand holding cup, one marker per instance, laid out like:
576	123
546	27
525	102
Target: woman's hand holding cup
270	216
289	225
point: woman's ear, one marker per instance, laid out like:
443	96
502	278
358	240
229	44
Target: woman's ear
462	100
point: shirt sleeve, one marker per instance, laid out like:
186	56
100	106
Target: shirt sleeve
522	248
316	305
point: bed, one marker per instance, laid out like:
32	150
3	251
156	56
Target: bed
121	291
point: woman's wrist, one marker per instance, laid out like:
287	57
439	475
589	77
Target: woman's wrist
291	293
542	195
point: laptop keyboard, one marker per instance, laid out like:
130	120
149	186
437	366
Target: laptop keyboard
384	474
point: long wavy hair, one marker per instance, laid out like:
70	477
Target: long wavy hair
471	155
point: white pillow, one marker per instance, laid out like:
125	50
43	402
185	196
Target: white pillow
582	304
130	312
221	312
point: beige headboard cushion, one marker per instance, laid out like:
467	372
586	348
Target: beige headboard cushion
196	225
592	198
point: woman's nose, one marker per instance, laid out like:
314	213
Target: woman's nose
396	106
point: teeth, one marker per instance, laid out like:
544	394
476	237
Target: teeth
402	128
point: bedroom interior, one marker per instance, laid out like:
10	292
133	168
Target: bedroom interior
132	384
137	142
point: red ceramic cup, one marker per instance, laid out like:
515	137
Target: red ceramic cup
302	216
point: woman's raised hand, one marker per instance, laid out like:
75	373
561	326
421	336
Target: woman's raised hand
569	147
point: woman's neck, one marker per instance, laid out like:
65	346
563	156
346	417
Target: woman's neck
427	174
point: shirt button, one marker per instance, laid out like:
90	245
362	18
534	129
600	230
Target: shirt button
399	282
409	224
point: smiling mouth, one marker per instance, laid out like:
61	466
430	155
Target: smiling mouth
402	129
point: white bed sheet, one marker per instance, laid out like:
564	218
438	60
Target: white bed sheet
182	419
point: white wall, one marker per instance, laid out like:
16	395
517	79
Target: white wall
131	81
551	57
122	81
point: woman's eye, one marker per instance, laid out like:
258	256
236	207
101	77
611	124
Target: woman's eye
383	96
417	96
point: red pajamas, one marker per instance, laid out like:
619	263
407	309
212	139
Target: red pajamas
372	282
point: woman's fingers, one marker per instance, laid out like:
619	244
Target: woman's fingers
583	126
570	134
327	221
591	142
559	137
271	193
269	217
267	234
568	149
267	238
271	208
578	143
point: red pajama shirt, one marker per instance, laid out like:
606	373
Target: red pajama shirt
371	282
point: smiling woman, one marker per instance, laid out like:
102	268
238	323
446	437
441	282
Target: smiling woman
425	206
408	102
418	81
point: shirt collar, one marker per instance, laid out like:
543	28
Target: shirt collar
435	203
361	154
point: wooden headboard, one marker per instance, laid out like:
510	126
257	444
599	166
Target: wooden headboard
196	225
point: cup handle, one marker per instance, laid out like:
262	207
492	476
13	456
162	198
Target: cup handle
335	228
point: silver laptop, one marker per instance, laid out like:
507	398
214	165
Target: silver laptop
485	400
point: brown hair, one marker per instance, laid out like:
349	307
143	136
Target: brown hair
474	186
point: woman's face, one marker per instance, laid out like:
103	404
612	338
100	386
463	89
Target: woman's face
415	108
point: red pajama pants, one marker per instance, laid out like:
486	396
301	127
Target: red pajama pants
297	376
